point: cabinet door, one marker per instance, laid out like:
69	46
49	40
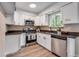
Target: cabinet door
44	40
45	20
12	44
70	13
39	38
37	21
48	42
22	39
18	18
59	47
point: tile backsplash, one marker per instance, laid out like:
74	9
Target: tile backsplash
69	27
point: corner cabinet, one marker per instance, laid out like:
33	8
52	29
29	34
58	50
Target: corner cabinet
70	13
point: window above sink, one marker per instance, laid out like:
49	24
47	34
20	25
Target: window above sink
55	19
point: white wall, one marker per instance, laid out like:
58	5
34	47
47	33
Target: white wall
2	35
9	19
1	10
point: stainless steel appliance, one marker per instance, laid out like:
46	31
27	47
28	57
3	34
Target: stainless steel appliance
59	47
30	37
29	22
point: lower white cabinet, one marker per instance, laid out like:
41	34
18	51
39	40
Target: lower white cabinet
44	40
12	43
22	39
71	46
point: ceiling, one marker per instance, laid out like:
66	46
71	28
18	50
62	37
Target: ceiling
41	6
9	7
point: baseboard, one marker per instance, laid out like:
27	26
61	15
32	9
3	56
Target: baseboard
56	54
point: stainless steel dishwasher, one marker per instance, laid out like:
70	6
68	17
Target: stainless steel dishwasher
59	47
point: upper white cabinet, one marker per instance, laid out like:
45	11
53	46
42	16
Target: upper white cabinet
18	18
41	20
37	21
70	13
44	20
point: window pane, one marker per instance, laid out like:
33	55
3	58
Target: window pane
56	20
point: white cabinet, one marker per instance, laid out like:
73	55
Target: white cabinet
44	40
77	47
12	43
22	39
71	47
70	13
37	21
39	38
18	18
44	20
47	41
41	20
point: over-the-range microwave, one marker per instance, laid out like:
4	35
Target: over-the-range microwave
29	22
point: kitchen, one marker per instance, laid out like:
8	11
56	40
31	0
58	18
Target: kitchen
39	29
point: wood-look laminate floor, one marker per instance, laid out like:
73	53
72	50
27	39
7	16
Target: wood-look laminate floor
34	50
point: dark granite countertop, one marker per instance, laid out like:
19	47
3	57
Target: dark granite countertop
14	32
64	35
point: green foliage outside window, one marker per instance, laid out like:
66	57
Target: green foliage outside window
56	20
